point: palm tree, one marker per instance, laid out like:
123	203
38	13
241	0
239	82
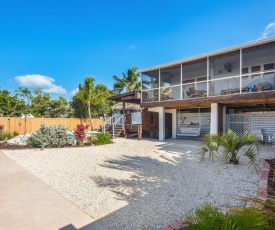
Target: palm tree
128	82
91	94
231	147
209	217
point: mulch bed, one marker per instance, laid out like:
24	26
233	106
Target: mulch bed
6	146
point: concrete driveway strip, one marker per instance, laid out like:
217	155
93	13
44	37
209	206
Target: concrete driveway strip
28	203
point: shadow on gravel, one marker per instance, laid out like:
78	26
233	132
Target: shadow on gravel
154	184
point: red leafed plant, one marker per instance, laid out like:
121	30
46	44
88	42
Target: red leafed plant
2	127
79	133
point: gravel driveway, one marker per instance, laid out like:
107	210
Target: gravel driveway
139	184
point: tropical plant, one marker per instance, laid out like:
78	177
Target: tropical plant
103	139
80	134
50	137
91	139
229	146
91	94
211	218
6	135
128	82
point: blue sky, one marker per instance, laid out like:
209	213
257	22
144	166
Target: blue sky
54	44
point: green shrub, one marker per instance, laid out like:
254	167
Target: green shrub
15	133
210	218
5	135
229	146
103	138
50	137
91	139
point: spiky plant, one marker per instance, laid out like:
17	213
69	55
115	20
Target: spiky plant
209	217
230	146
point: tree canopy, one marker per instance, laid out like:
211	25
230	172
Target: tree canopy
128	82
90	95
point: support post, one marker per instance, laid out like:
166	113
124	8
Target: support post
214	118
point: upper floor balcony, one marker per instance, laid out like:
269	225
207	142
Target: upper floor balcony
240	71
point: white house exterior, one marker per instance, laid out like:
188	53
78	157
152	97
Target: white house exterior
210	93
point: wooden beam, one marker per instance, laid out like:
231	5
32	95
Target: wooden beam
128	98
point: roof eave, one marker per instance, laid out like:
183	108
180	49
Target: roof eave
222	51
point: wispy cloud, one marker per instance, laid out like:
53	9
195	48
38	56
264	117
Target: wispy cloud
269	30
131	47
74	92
45	83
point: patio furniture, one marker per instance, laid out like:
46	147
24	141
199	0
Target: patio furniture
259	134
151	96
234	91
264	86
188	131
165	97
196	93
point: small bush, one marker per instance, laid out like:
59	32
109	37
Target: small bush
91	139
50	137
5	135
80	134
103	138
15	133
211	218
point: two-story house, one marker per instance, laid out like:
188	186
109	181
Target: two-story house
233	88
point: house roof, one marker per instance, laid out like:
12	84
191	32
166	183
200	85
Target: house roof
128	106
131	97
222	51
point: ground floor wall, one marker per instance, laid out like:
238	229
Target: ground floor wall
251	122
196	123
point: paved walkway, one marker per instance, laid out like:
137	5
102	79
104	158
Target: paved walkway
27	203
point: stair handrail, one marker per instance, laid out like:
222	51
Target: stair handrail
115	122
107	120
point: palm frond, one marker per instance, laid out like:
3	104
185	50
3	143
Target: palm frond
251	154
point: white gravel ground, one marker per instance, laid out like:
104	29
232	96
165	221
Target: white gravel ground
140	184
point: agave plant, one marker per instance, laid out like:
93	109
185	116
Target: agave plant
209	217
230	146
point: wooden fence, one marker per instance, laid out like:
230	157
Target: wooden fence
27	125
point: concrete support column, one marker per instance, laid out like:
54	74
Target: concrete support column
174	121
161	112
214	118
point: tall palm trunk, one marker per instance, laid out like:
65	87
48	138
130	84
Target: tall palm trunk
90	116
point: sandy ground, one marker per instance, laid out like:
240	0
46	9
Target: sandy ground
140	184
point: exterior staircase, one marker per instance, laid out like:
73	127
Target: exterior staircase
114	125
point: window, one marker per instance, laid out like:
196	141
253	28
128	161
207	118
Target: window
201	79
256	68
188	81
245	70
269	66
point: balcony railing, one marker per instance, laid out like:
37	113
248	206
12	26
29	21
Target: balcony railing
246	83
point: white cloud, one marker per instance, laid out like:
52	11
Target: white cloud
39	81
131	47
269	30
74	92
